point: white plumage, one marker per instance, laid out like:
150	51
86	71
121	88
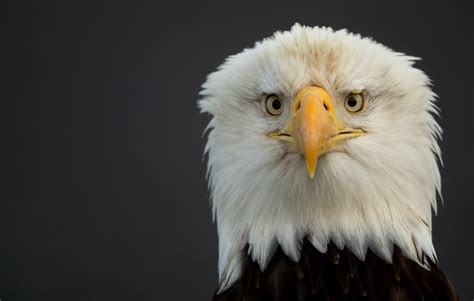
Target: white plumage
377	193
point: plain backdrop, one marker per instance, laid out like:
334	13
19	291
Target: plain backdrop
103	194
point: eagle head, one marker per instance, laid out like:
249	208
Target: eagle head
323	135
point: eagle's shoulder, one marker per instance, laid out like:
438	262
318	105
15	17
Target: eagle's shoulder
339	275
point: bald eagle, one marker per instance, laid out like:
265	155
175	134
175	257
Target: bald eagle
322	164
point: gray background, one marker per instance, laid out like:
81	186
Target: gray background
104	196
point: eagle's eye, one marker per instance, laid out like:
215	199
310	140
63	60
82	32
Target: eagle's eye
274	105
354	102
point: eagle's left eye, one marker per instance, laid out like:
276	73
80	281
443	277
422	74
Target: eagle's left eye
354	102
274	105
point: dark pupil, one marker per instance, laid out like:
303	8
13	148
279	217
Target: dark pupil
352	102
276	104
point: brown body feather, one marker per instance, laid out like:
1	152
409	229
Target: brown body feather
339	275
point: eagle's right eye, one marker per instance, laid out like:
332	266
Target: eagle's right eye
274	105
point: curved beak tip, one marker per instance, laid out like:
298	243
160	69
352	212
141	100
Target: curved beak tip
311	166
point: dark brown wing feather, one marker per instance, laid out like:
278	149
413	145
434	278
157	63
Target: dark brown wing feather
339	275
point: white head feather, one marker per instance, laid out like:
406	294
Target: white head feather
376	195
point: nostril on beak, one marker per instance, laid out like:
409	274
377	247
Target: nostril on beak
296	106
325	106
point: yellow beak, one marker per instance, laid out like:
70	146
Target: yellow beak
313	128
313	124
